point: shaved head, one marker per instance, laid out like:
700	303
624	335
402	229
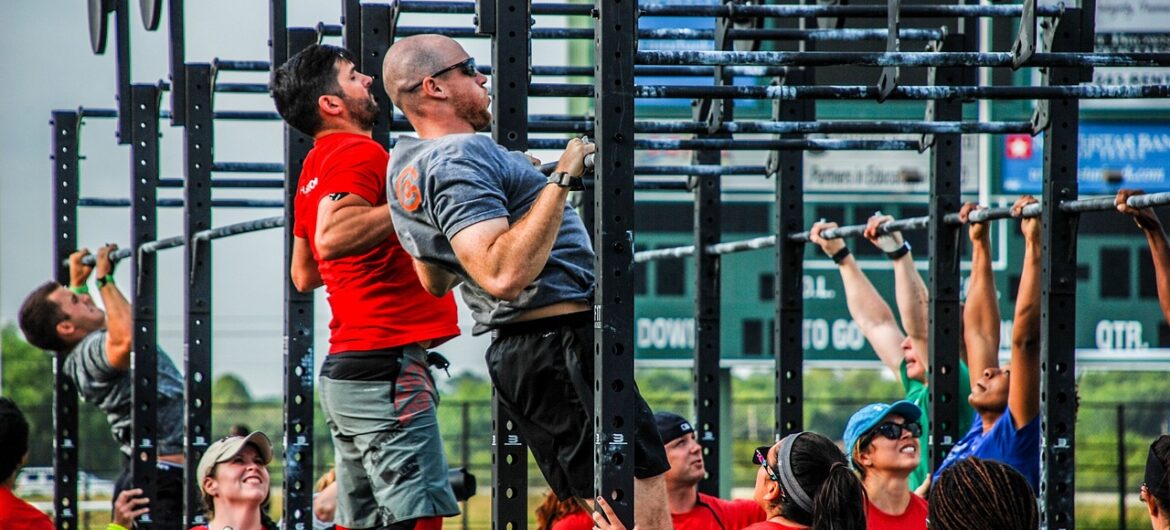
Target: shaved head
411	59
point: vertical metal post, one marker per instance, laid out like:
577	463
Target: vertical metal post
708	229
511	53
1122	479
197	151
465	452
351	23
66	126
787	168
122	27
144	164
377	31
277	32
1059	283
945	285
613	235
178	63
298	336
707	383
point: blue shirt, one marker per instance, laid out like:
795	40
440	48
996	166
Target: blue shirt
439	187
1019	449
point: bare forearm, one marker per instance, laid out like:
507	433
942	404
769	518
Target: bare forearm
866	306
1026	329
913	302
119	326
981	312
1160	252
353	230
519	254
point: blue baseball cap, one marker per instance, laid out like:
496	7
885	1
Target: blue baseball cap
872	414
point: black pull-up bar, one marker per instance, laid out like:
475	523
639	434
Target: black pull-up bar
1094	204
244	227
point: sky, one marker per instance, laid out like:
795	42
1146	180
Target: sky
51	67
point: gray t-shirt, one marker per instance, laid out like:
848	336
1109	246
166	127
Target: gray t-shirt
438	187
109	389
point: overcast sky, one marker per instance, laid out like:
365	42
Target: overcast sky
52	67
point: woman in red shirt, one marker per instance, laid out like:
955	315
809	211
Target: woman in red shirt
882	442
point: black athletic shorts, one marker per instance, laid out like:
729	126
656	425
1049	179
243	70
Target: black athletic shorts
543	375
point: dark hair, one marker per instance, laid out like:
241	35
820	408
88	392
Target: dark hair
553	509
977	494
1159	489
863	443
39	317
306	76
820	469
13	438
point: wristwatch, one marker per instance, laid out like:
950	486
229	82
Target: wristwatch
565	180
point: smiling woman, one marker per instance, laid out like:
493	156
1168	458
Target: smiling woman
234	480
882	442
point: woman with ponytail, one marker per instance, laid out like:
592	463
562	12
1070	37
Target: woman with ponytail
805	482
1156	486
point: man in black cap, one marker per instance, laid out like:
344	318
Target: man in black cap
689	509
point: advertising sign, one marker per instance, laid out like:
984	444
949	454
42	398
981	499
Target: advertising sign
1111	156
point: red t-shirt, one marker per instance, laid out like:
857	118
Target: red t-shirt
15	514
713	513
914	518
376	297
772	525
578	520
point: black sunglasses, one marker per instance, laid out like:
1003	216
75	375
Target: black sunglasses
894	431
761	458
467	66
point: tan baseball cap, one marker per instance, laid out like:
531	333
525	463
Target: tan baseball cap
226	448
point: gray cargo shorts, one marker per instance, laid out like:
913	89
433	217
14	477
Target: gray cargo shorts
389	456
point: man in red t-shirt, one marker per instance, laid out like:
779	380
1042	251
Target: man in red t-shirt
376	389
15	514
689	509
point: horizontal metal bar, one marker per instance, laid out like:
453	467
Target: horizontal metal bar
166	114
248	167
911	223
796	144
99	202
1095	204
246	115
467	8
814	35
240	228
576	125
334	30
240	66
871	11
908	59
205	235
660	71
227	183
241	88
784	92
699	170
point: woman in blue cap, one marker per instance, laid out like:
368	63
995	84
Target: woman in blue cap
882	443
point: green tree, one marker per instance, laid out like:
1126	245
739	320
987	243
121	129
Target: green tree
27	380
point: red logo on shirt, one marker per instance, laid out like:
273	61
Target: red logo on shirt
406	188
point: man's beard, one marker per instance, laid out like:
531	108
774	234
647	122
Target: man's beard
364	112
471	110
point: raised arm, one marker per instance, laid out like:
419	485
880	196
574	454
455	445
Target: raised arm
1024	389
981	312
348	225
1148	221
909	289
503	259
119	316
869	311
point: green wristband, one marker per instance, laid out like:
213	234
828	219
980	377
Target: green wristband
104	280
80	289
116	526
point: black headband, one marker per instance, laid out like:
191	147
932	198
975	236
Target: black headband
1155	478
